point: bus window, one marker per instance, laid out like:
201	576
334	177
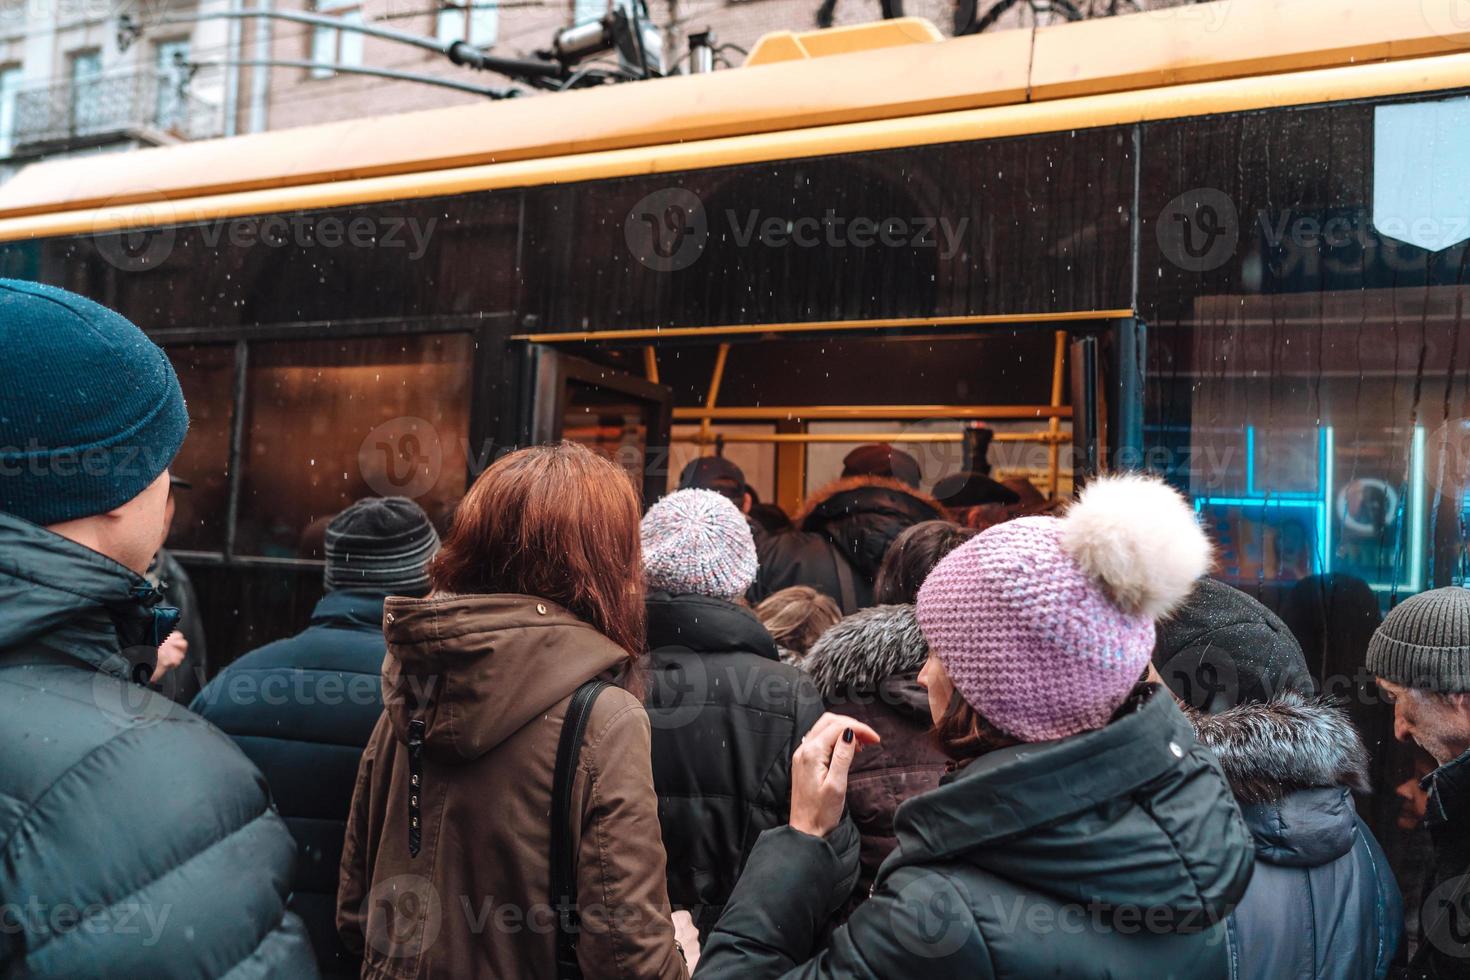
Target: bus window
331	421
207	375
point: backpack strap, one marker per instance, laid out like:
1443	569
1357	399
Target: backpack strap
563	860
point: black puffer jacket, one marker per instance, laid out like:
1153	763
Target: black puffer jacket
1444	940
1108	854
840	538
135	839
727	716
302	708
1323	902
867	666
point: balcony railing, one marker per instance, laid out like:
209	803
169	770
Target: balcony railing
138	104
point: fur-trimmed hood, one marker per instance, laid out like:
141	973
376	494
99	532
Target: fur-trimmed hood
864	649
862	515
1293	764
819	500
1274	748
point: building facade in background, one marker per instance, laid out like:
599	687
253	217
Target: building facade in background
73	82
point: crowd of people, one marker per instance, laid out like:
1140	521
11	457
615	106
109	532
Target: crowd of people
946	734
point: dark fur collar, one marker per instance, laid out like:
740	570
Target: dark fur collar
850	483
866	647
1273	748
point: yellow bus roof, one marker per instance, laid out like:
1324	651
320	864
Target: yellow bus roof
846	81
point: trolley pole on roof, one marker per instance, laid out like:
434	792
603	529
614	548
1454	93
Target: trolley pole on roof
402	76
554	70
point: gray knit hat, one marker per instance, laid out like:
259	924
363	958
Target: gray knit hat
1425	642
697	542
381	544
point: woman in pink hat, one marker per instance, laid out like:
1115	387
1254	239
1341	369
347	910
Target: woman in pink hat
1082	831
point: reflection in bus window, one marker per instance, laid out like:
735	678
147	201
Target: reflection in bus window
329	422
206	373
1307	377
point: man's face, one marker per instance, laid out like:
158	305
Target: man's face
1438	724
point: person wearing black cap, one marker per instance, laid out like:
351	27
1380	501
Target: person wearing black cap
843	531
720	475
881	459
1322	901
304	707
183	665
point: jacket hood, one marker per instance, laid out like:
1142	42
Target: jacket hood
1293	764
865	648
863	514
49	584
1131	816
477	668
1271	749
706	625
1305	829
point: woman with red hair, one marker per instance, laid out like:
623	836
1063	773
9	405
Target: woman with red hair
447	866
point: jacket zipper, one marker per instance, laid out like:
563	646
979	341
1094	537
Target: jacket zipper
415	783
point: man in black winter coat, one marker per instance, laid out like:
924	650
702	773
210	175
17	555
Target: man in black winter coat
304	707
1421	658
1322	902
727	715
840	538
135	839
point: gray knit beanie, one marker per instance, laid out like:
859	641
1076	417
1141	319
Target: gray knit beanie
1425	642
381	544
697	542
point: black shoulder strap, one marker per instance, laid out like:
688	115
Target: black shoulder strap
563	861
845	583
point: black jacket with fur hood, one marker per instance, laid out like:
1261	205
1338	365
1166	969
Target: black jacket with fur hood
867	666
840	538
1323	902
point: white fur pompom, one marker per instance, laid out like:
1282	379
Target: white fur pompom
1140	539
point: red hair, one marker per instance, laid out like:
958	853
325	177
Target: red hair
557	522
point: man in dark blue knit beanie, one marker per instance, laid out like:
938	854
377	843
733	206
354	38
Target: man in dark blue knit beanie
136	821
91	413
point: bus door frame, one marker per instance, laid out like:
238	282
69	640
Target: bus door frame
546	372
1108	372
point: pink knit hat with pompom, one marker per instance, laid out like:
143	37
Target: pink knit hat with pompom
696	541
1045	624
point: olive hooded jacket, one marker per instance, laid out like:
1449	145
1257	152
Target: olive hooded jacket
1115	853
446	867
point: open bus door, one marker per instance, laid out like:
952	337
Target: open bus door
618	415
